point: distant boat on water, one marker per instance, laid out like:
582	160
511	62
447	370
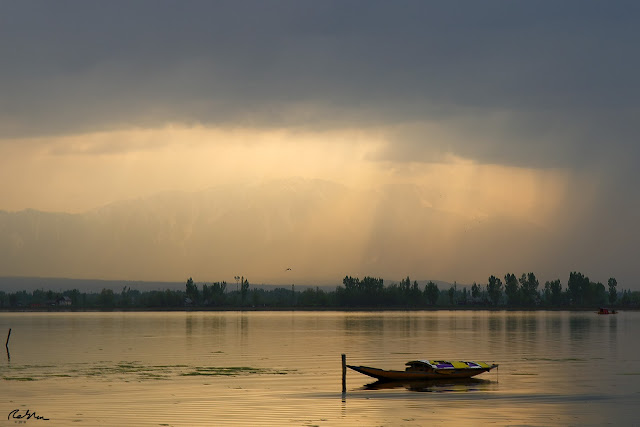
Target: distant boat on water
606	311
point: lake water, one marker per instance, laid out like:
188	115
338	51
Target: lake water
284	368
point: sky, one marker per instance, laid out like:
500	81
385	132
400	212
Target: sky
501	112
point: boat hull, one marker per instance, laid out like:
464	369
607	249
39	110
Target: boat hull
439	374
439	384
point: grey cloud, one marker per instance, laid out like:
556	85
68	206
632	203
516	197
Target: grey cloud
583	140
564	70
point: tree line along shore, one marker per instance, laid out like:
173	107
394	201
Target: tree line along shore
522	292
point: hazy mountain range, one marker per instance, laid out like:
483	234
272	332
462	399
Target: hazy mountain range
320	230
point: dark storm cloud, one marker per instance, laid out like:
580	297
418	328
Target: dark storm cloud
563	73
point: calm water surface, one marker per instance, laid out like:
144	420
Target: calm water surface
284	368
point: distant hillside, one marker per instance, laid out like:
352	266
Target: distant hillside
309	232
29	284
13	284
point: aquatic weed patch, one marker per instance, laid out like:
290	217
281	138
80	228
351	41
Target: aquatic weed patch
229	371
25	372
134	369
126	371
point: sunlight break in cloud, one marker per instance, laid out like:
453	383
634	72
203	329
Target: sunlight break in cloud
398	217
80	172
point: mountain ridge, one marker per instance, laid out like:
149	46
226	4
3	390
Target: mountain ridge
319	229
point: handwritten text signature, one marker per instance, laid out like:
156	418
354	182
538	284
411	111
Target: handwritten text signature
16	415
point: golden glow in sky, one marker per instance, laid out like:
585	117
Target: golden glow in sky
80	172
448	202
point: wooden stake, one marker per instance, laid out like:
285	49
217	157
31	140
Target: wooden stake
7	343
344	373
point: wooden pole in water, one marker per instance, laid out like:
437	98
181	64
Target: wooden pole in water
344	373
7	343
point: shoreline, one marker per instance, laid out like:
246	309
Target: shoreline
277	309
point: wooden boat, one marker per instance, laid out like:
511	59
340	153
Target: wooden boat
417	370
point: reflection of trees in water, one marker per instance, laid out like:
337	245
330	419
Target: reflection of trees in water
243	324
511	323
495	325
530	324
553	325
408	326
529	328
430	324
526	322
579	333
387	328
215	323
204	323
189	325
491	323
613	334
189	331
590	329
579	327
367	328
521	331
371	324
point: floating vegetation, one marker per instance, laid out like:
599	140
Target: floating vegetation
127	371
231	370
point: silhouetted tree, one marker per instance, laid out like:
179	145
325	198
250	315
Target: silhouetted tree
255	297
192	291
350	283
553	293
369	291
596	294
76	297
13	299
207	294
405	285
577	287
431	292
494	289
512	289
475	291
244	288
107	298
124	297
465	295
529	288
613	294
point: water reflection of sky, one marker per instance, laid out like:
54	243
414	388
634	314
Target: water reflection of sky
556	368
